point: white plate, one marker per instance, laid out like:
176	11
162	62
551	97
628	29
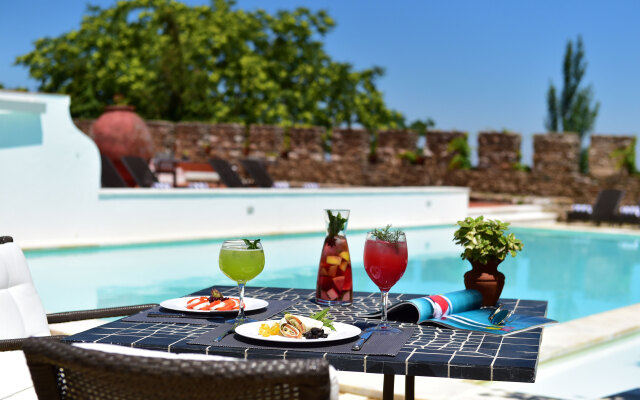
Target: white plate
180	304
343	331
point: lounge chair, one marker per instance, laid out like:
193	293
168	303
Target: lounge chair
227	175
165	164
139	170
258	172
605	209
110	176
629	214
93	372
22	313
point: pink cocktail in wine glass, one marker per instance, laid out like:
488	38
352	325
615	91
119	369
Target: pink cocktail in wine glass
385	260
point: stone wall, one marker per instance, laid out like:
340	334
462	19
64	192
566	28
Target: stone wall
349	145
306	144
438	146
555	171
392	143
265	141
555	153
163	136
84	125
498	150
603	160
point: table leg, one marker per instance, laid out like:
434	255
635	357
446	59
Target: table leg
409	387
387	388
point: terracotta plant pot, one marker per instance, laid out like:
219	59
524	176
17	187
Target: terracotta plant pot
486	279
121	132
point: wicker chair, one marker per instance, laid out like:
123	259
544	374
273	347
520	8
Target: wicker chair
62	371
21	305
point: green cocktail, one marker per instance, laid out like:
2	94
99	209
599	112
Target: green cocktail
241	265
241	261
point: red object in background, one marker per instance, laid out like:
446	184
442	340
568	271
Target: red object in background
118	132
335	283
385	262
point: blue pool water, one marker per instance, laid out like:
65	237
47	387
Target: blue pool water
578	273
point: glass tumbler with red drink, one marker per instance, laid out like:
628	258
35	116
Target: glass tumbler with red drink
385	260
335	284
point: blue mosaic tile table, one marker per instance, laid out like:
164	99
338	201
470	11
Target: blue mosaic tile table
431	350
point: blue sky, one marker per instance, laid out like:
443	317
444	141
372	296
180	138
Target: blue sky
469	65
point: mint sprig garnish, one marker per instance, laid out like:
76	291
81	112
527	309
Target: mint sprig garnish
336	223
387	234
251	245
324	317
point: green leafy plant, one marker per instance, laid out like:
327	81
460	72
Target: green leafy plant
336	223
484	240
519	166
626	157
462	157
387	234
411	156
251	245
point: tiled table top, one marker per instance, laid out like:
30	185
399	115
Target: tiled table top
431	351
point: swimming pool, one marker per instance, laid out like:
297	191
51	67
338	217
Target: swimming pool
579	273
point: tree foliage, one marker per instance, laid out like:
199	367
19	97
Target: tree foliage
421	127
573	110
462	152
212	63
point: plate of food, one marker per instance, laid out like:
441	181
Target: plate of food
216	303
293	328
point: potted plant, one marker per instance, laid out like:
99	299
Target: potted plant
485	245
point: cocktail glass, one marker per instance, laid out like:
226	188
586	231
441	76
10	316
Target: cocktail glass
241	262
385	262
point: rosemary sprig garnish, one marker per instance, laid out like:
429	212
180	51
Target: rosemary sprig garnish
387	234
251	245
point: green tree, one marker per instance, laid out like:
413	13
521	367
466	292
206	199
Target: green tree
213	63
573	110
421	127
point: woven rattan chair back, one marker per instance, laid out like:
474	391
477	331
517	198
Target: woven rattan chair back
62	371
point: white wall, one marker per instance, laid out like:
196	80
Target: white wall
51	196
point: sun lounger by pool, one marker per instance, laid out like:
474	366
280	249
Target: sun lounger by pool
110	176
605	209
258	172
140	171
227	175
629	214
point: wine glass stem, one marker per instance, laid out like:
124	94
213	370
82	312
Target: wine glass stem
241	311
385	299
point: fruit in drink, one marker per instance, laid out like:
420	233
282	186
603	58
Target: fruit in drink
241	265
385	262
333	260
335	282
